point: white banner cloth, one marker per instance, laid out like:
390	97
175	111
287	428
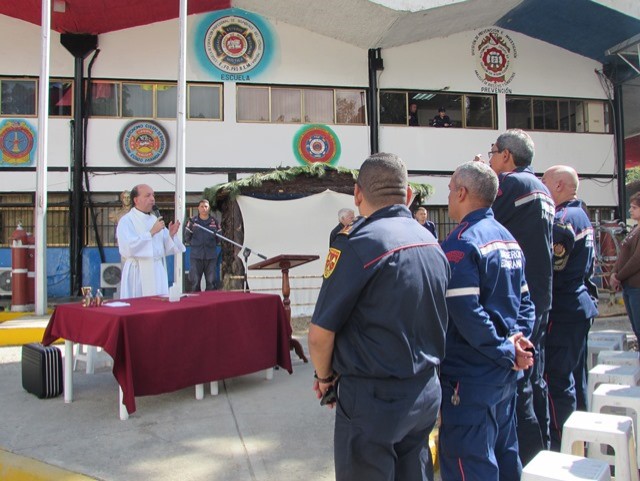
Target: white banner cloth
300	226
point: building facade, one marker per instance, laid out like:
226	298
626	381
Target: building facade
265	94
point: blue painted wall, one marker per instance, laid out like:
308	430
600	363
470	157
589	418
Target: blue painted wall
58	271
58	267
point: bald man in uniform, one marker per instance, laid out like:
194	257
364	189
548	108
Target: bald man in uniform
574	298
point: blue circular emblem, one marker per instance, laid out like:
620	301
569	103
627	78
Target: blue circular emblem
144	142
17	143
233	44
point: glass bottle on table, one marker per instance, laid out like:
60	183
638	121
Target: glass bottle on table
98	299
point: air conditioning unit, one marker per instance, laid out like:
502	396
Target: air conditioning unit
591	117
5	281
110	274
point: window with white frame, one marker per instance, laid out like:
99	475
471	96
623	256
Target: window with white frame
287	104
558	114
61	98
18	97
153	100
464	110
204	101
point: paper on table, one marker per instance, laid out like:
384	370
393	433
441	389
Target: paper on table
116	304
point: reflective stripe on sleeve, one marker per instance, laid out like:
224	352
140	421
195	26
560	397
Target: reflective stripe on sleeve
463	291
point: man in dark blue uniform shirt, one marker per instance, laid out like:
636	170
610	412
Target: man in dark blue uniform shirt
524	206
377	333
203	256
574	298
490	316
421	216
442	119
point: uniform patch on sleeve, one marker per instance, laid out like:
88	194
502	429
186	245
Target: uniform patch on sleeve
560	257
331	262
455	256
346	229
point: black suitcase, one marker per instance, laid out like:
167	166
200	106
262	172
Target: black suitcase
42	370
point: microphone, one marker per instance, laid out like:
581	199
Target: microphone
156	211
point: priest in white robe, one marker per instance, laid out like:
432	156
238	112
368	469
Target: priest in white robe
144	242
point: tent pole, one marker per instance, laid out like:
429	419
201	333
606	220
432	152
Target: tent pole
40	219
181	142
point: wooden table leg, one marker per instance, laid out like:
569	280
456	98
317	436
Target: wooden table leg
297	347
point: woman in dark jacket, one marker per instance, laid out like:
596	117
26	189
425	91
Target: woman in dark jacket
626	272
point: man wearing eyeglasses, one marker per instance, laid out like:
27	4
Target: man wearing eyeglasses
525	207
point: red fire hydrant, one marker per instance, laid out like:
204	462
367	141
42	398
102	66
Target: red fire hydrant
20	271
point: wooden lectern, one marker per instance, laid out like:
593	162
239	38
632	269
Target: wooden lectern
284	262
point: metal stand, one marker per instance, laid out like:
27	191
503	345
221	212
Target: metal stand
246	252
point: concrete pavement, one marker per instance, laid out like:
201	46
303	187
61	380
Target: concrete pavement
254	430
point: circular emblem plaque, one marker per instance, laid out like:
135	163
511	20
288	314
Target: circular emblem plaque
17	141
316	144
495	54
234	44
144	142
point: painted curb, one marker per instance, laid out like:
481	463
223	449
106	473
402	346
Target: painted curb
17	336
20	468
17	329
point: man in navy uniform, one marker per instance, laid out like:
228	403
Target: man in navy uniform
442	119
421	216
574	298
203	256
377	333
490	317
524	206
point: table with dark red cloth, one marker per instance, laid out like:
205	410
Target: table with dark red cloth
159	346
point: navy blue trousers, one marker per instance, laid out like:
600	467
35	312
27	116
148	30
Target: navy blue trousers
581	374
197	268
382	428
566	345
478	440
532	408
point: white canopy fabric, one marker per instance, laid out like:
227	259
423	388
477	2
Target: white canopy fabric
299	226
